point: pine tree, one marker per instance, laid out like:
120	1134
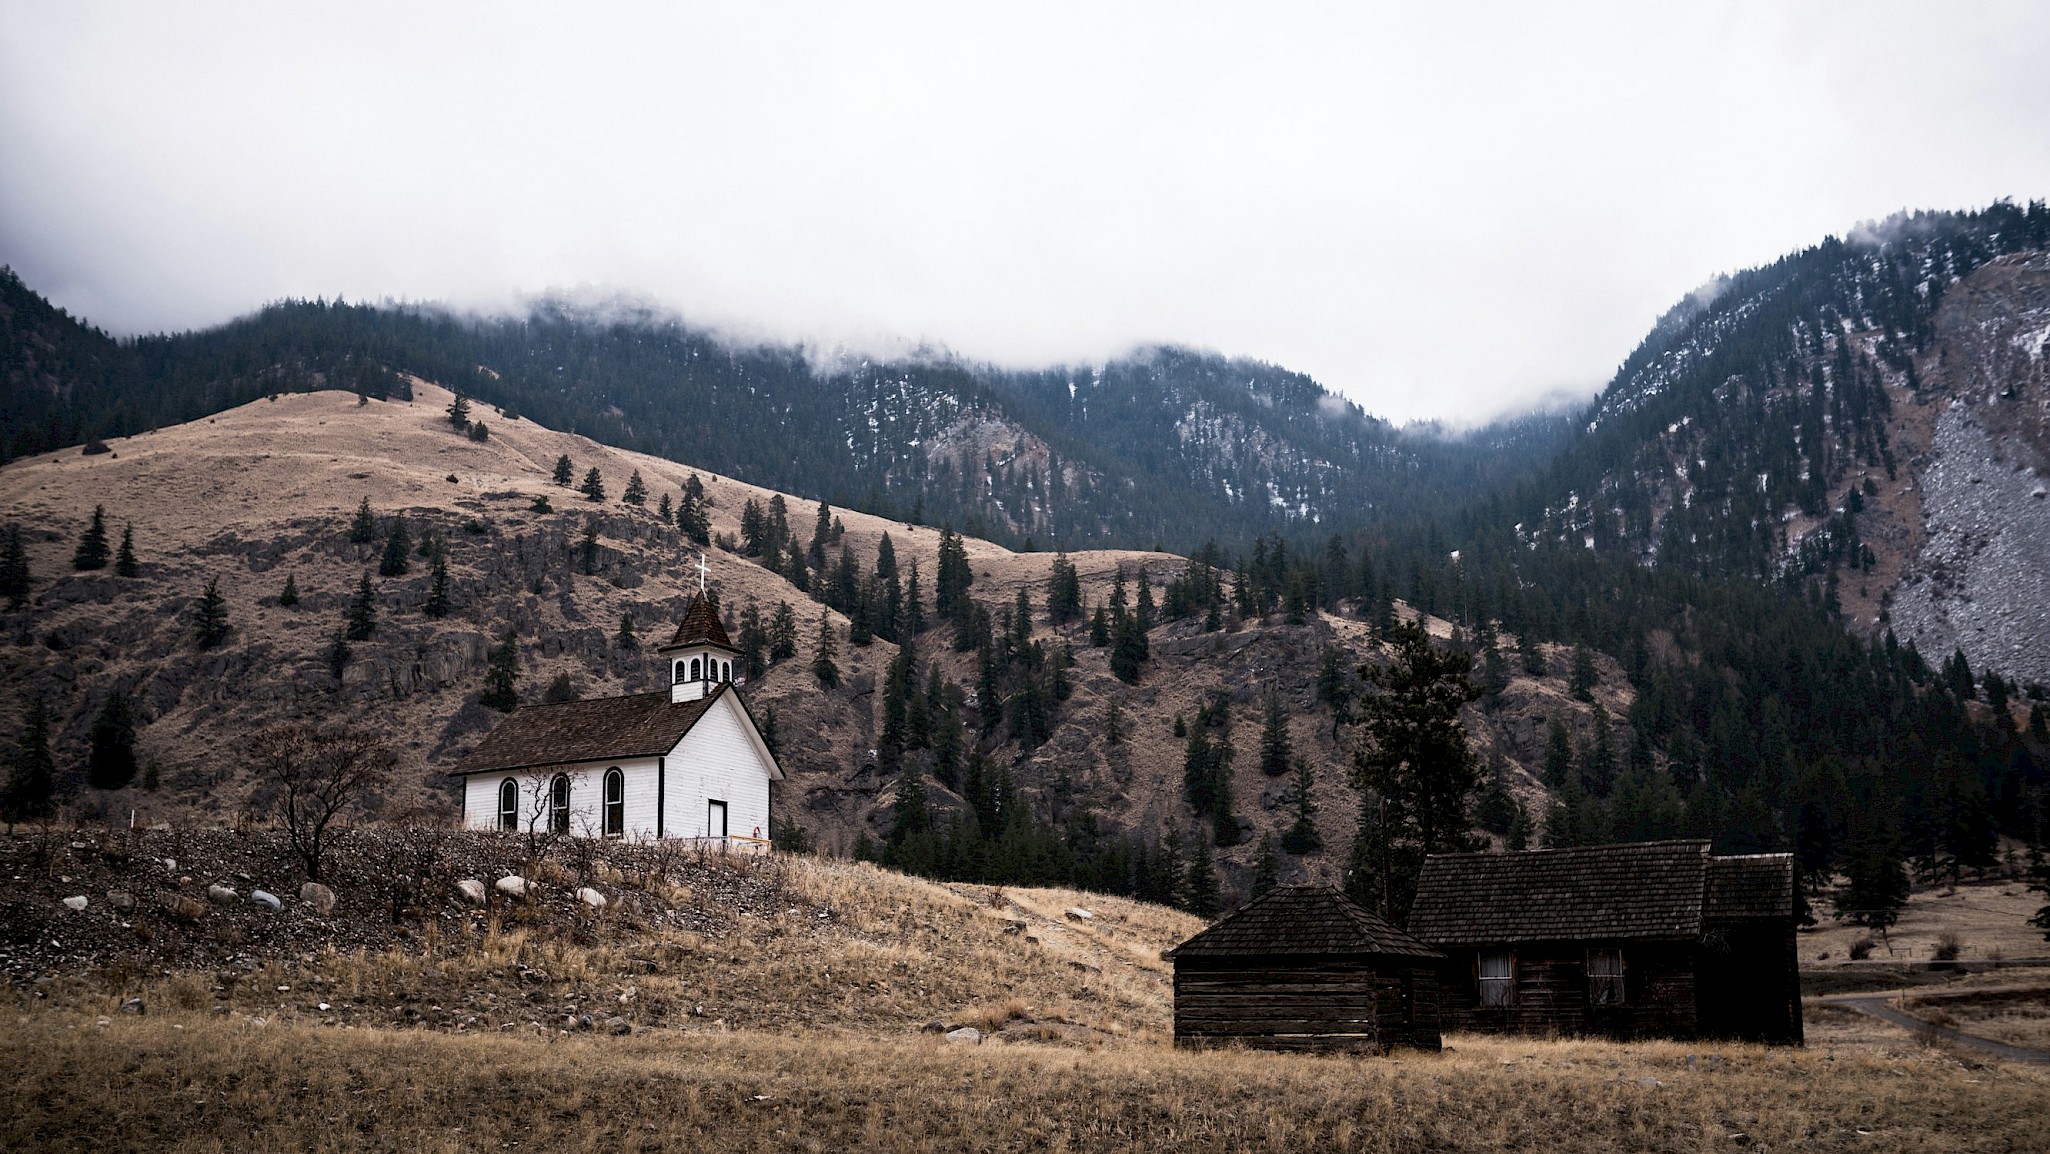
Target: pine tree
822	665
636	491
1876	886
110	754
593	487
1099	629
479	432
1416	759
1266	868
1584	677
32	780
564	471
437	593
914	604
625	640
665	511
753	640
338	652
1063	591
459	412
125	564
1203	895
1128	650
1113	723
363	527
289	595
361	619
92	545
782	633
502	669
1275	747
211	615
1302	837
950	586
14	574
398	545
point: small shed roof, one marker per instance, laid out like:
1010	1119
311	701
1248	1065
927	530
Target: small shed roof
1640	890
601	729
1302	920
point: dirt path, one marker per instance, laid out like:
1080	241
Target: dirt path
1880	1006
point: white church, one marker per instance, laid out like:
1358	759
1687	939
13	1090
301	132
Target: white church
688	762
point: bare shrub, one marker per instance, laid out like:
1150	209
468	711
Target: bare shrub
1862	949
311	777
1948	946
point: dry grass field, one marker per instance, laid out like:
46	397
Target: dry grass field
187	1081
797	1016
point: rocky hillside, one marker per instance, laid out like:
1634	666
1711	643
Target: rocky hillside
267	492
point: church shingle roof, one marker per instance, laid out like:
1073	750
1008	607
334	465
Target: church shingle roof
700	626
1302	920
1641	890
602	729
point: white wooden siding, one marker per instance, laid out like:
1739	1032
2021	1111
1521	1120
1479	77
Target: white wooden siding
586	797
718	760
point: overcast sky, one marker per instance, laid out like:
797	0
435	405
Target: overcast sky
1440	211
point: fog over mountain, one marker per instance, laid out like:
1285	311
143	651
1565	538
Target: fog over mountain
1440	215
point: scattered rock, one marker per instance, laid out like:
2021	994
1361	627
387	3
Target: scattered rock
121	901
76	903
591	898
134	1006
321	898
171	865
1077	913
512	885
966	1034
933	1028
184	907
472	891
619	1027
222	895
267	900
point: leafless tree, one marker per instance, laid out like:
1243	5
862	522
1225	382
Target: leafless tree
312	777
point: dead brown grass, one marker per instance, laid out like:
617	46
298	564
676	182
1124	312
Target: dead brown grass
191	1082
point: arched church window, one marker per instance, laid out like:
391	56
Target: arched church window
725	671
508	804
558	804
615	802
677	675
695	669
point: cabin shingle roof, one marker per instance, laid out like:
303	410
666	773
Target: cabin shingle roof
1752	886
601	729
1641	890
700	626
1302	920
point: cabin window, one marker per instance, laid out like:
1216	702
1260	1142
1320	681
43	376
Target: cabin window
558	804
508	804
615	802
1605	977
1497	977
696	669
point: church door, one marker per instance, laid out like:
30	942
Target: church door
715	819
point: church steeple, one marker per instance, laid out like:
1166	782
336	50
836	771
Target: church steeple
700	656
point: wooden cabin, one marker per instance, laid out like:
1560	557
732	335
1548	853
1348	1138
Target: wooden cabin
1303	968
1650	939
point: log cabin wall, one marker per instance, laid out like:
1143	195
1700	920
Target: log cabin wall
1277	1003
1550	993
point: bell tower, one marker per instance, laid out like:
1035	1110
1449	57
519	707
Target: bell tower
700	657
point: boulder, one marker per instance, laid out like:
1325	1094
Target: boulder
591	898
966	1034
321	898
267	900
221	895
472	891
121	901
512	886
134	1006
77	903
1077	913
